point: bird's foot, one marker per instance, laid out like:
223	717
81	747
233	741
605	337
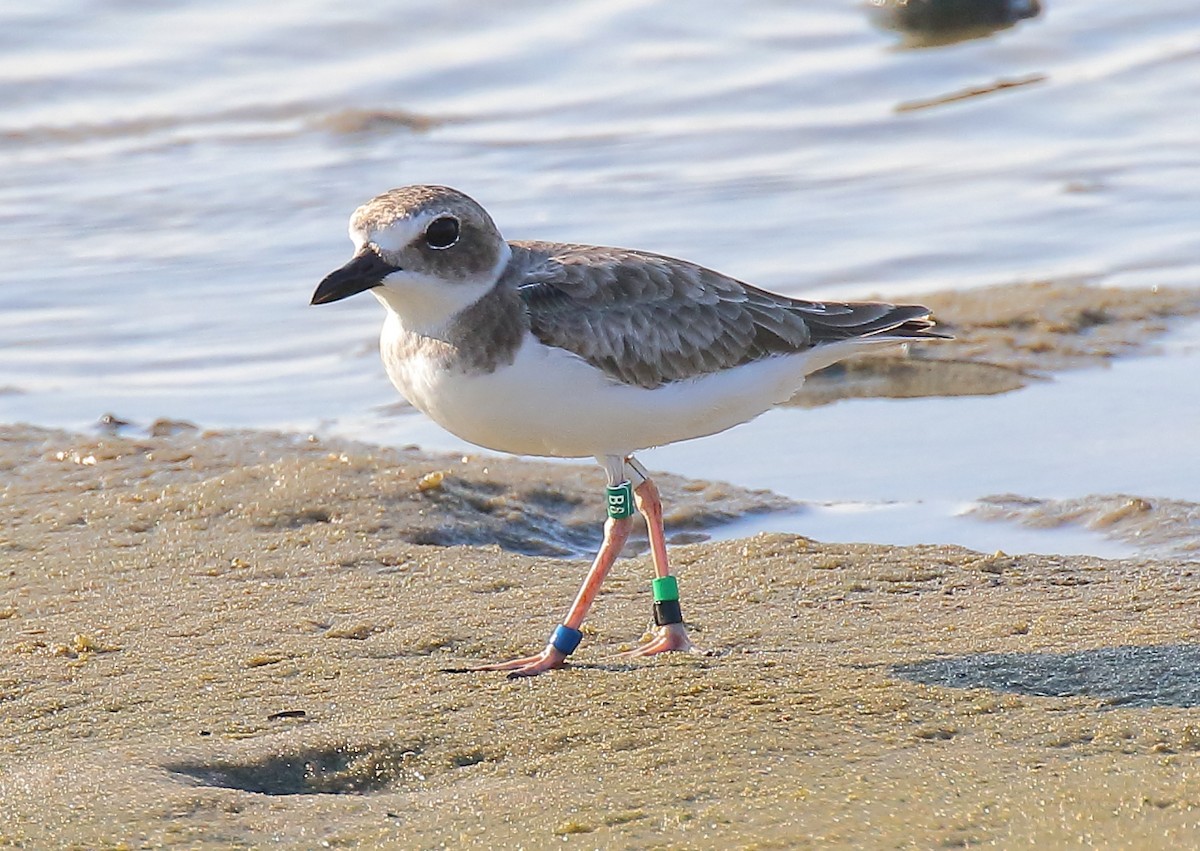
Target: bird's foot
672	636
529	666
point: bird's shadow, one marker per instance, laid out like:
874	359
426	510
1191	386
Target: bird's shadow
1126	676
610	667
614	664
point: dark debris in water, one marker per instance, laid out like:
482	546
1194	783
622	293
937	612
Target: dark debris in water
1000	85
111	423
931	23
355	121
245	121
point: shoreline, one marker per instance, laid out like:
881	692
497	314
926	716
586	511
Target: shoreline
212	639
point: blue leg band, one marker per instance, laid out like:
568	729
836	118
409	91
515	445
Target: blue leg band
565	639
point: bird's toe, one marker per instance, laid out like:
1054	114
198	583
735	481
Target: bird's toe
528	666
669	638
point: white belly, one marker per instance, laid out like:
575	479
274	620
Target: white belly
551	402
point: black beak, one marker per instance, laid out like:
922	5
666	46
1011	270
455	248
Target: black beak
364	271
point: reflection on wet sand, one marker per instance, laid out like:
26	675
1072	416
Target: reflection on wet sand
1006	336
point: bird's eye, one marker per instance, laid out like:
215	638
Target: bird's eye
442	233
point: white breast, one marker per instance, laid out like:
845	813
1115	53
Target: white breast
551	402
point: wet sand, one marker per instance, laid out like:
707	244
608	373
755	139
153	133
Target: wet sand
222	640
232	641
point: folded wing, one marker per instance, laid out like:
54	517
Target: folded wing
650	320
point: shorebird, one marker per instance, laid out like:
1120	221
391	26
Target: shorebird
575	351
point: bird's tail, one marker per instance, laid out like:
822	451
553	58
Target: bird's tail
835	322
843	329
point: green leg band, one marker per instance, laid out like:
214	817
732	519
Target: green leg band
620	500
665	589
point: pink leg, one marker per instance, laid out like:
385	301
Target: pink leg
670	636
616	532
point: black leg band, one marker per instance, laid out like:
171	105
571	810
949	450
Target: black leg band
667	612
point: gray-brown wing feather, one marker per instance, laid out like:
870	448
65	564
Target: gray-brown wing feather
649	320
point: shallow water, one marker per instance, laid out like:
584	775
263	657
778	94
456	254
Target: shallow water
906	471
178	180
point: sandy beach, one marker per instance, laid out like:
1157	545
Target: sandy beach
240	639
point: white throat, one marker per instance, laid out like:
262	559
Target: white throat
426	304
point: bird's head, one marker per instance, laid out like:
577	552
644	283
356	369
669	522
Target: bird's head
426	252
